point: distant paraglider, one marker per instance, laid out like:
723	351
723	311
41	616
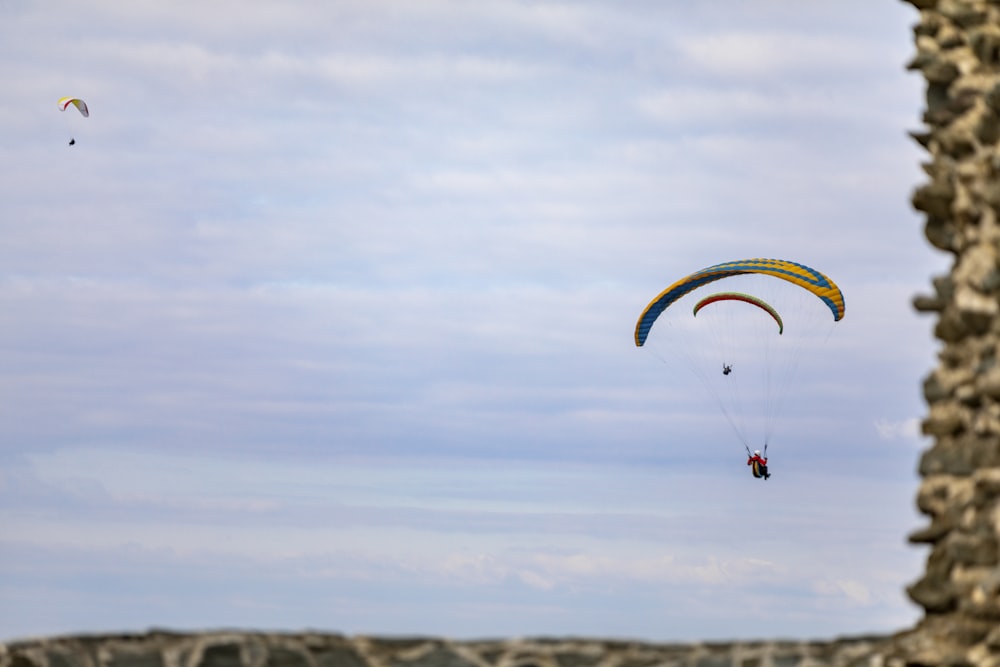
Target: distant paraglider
81	106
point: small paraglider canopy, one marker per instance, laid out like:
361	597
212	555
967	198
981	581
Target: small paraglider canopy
78	103
744	298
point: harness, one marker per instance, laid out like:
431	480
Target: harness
755	465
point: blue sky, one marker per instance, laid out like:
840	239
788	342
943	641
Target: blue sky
326	319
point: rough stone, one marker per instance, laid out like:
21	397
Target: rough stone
943	420
255	649
934	198
985	43
958	53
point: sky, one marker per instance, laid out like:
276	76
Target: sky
326	319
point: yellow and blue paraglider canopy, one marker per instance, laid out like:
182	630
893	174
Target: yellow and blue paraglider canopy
800	275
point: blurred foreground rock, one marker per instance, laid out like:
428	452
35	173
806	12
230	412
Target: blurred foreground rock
253	649
958	53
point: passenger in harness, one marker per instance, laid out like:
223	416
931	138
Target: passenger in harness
759	464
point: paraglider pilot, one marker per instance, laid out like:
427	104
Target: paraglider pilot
759	464
727	369
72	141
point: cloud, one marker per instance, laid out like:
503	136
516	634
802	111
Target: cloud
854	592
744	54
907	429
698	106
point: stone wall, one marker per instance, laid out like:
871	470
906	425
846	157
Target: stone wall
232	649
958	53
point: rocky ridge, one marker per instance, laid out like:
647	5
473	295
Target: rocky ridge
958	53
254	649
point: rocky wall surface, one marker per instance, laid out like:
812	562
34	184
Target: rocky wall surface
249	649
958	53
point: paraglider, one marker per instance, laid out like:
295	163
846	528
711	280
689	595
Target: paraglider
745	298
781	291
727	368
797	274
81	106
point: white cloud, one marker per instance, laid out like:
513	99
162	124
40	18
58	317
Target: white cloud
698	106
906	429
854	591
775	54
